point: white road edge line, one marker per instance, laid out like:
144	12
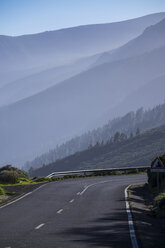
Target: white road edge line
82	192
108	181
130	220
59	211
71	200
39	226
21	197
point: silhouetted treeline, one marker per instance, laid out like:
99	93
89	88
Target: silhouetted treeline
120	151
127	126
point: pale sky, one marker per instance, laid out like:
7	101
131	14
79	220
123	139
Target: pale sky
19	17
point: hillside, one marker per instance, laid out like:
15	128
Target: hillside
152	38
38	50
78	101
119	152
147	96
39	61
38	123
40	81
143	119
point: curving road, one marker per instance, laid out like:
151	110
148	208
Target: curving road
77	213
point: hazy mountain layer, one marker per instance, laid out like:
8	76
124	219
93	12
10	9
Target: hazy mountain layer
153	37
38	82
128	124
147	96
36	124
131	152
37	52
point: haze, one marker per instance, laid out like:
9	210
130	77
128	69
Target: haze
57	85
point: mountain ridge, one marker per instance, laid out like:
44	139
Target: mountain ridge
42	49
36	124
139	45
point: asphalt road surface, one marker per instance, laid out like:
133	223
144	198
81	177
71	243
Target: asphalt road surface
77	213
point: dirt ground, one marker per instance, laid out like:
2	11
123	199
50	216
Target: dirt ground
149	222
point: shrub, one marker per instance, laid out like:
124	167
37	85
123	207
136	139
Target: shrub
10	174
2	191
160	200
8	177
132	171
42	179
19	172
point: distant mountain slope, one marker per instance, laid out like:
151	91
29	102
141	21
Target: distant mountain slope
54	48
153	37
31	82
37	82
147	96
38	123
127	124
137	151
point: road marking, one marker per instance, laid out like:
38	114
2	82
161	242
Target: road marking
59	211
39	226
130	220
78	193
87	187
108	181
71	200
15	200
21	197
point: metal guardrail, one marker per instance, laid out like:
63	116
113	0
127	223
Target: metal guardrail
97	171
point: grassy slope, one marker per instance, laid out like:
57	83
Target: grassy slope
137	151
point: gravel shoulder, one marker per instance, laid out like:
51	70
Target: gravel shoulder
149	223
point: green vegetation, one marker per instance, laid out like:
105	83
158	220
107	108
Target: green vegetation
2	191
11	191
159	200
11	175
41	179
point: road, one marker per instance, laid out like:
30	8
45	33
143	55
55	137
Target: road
77	213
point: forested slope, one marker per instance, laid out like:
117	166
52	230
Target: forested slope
120	151
127	124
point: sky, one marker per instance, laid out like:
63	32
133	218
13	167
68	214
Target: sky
18	17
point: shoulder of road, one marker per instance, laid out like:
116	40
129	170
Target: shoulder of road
149	222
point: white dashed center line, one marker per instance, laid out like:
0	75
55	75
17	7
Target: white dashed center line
71	200
59	211
78	193
39	226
